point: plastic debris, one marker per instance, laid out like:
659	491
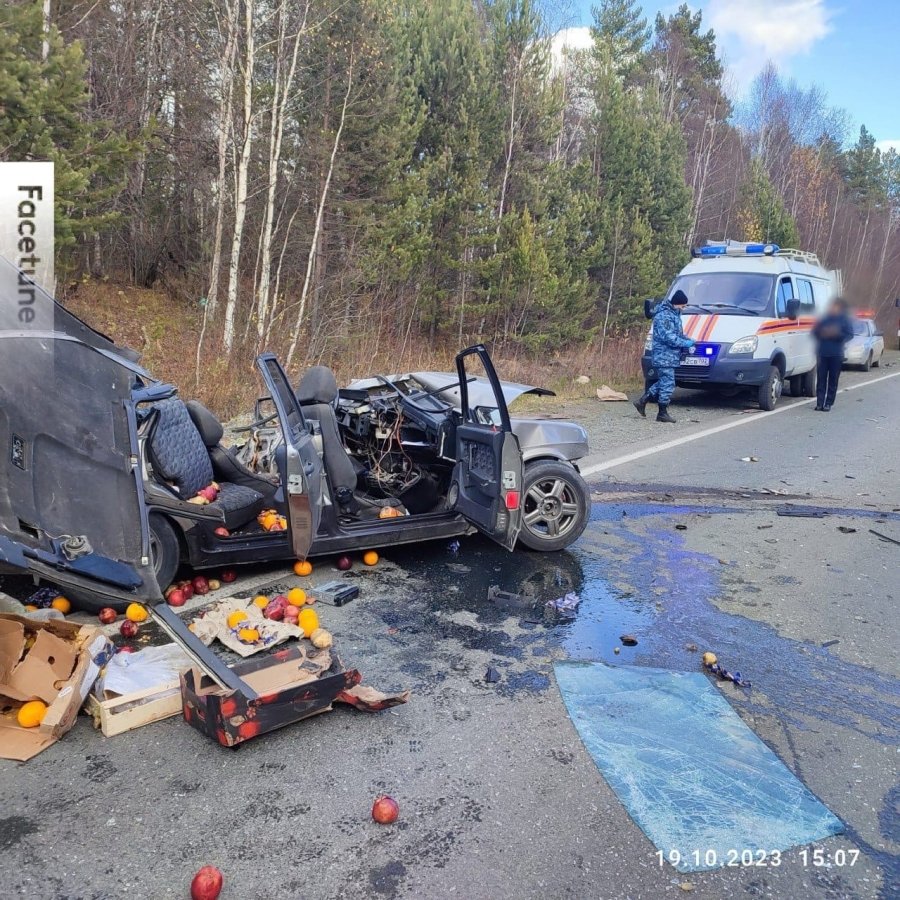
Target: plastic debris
846	529
724	675
566	605
749	459
453	547
628	640
492	676
607	394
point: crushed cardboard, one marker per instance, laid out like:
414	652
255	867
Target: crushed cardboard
53	661
213	625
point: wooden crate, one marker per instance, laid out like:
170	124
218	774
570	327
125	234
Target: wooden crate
130	711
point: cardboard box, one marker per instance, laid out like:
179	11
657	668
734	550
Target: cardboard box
292	685
53	661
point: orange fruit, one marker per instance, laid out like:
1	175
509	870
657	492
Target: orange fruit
370	558
136	613
236	618
296	596
261	600
248	635
303	568
308	621
389	512
32	713
61	604
268	520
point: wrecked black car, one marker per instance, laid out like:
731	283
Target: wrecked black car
112	480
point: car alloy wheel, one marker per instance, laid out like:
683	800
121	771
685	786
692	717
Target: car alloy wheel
550	508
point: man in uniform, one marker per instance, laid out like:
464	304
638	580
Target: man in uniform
669	344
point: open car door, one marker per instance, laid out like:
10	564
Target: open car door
298	459
71	495
487	480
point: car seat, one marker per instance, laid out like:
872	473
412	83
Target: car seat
317	393
226	466
180	459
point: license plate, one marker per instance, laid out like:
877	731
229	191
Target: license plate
695	361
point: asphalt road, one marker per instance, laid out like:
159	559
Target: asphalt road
498	796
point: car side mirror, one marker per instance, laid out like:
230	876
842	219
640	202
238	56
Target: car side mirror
793	308
648	308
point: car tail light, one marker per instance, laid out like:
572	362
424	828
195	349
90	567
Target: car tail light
512	499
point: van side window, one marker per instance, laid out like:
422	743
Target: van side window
807	301
785	293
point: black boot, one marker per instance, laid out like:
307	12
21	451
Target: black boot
641	404
663	414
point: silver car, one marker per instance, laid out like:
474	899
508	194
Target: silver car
866	347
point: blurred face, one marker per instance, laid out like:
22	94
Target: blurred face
839	307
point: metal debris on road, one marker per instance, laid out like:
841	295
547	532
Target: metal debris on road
846	529
803	512
628	640
884	537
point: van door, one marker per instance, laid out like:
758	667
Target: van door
804	345
300	466
486	487
786	340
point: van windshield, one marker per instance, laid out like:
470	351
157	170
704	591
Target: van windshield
728	293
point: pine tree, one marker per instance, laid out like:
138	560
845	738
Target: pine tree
621	30
761	214
44	104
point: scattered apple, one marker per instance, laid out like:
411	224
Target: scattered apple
199	500
128	629
210	493
385	810
176	598
344	563
107	615
214	584
228	575
206	884
222	531
201	585
125	649
187	588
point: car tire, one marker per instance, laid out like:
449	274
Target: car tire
771	388
808	385
556	504
868	363
165	553
876	363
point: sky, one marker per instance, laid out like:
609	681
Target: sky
851	48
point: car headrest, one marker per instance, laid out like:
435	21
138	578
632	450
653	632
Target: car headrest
318	385
208	425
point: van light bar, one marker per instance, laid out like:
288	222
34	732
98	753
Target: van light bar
733	248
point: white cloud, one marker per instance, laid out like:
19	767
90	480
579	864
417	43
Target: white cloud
886	146
752	32
568	40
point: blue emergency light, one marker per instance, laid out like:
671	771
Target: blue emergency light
733	248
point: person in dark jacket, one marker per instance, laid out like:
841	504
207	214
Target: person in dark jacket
831	333
669	344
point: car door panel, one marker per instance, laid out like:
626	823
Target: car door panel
488	475
298	459
71	501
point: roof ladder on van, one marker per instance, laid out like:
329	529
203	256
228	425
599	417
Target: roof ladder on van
804	256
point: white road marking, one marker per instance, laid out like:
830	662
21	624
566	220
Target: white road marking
716	429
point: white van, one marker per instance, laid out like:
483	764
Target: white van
751	311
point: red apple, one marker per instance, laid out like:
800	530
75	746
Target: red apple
187	588
222	531
201	585
228	575
386	810
107	615
176	598
125	649
344	563
207	884
128	629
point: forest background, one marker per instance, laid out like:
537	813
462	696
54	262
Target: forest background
373	184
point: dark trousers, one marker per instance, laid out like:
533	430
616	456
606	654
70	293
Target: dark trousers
828	373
